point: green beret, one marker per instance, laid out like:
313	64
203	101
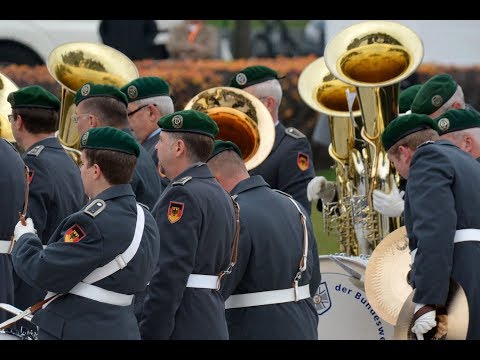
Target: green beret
406	98
405	125
221	146
90	90
433	94
109	138
457	119
252	75
191	121
33	96
145	87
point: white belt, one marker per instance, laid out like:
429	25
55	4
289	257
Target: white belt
6	246
460	236
267	297
202	281
97	293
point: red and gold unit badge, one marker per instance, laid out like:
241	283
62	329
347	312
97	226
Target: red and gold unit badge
74	234
302	161
175	211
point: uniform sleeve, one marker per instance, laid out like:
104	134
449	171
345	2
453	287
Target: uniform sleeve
178	217
291	178
433	219
40	193
76	252
230	282
314	262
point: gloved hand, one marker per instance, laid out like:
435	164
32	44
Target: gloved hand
321	188
391	204
20	229
425	320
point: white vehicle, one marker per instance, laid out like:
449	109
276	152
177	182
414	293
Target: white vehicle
30	41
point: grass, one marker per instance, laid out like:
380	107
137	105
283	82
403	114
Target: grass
327	244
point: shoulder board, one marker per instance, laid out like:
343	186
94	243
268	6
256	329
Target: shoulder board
36	150
182	181
283	193
295	133
11	144
145	206
95	208
425	143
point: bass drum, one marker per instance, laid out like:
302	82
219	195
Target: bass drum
343	310
9	336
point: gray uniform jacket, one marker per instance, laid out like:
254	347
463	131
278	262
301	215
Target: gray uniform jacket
56	191
12	194
146	180
196	222
82	243
289	167
269	253
149	146
441	197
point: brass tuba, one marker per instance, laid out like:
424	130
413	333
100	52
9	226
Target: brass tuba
375	56
6	87
76	63
241	118
320	90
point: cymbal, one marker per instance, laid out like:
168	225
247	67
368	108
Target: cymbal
386	285
457	311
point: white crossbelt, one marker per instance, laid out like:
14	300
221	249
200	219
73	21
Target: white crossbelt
460	236
202	281
6	246
267	297
85	289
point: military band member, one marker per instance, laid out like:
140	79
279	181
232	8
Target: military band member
56	188
461	127
105	105
289	167
196	222
100	256
441	218
12	192
260	291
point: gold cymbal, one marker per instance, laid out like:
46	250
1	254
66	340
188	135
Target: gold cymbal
457	311
386	285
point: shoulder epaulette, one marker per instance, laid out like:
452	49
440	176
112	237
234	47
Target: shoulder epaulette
145	206
36	150
182	181
295	133
425	143
283	193
11	144
95	208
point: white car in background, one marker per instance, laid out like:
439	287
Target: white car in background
31	41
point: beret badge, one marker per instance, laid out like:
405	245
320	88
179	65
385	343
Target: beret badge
84	138
444	124
437	101
85	90
177	121
241	78
132	91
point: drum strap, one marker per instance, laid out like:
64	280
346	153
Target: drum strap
295	293
460	236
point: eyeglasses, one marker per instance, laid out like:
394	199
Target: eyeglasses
137	110
75	117
11	118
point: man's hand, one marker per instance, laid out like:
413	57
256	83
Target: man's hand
21	229
425	320
391	204
320	188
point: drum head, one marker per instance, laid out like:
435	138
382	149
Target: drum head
9	336
343	310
